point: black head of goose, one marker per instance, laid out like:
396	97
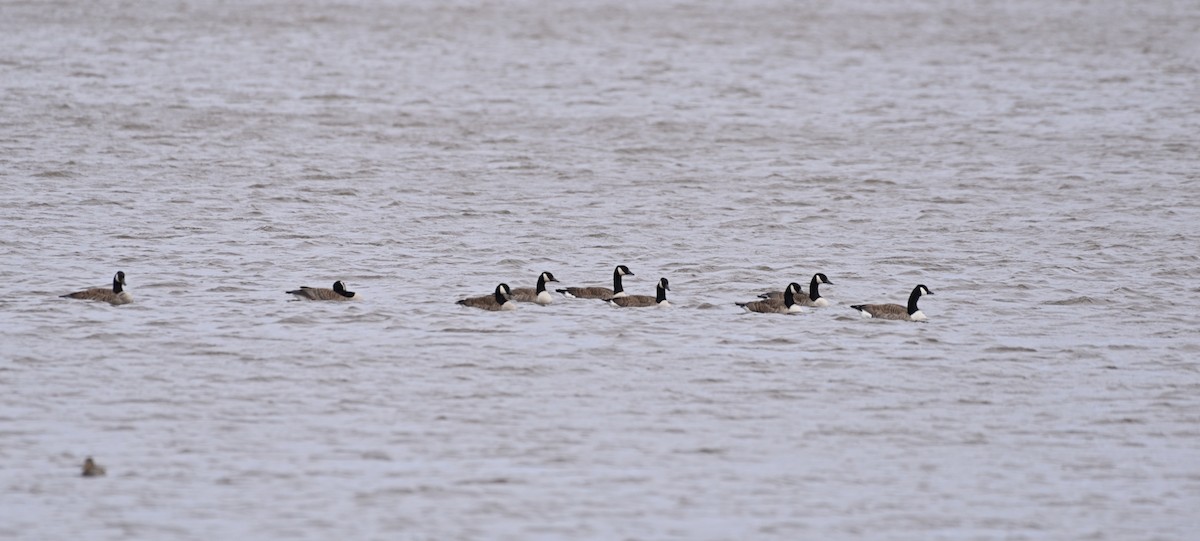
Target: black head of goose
813	298
787	305
642	301
338	293
497	301
538	294
896	311
114	295
599	292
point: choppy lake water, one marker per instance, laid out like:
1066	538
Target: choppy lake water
1033	163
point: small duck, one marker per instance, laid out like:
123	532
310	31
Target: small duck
92	469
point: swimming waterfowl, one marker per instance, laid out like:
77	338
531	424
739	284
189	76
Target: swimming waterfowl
786	305
538	294
641	301
91	469
338	293
813	298
599	292
895	311
500	300
115	295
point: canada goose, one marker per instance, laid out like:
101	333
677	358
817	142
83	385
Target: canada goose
538	295
92	469
786	305
640	301
500	300
599	292
895	311
338	293
115	295
813	298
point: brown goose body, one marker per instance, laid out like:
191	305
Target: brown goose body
115	295
600	292
537	294
645	301
896	311
812	298
338	293
788	304
499	301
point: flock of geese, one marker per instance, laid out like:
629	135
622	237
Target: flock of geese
791	300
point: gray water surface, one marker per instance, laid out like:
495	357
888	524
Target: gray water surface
1035	164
